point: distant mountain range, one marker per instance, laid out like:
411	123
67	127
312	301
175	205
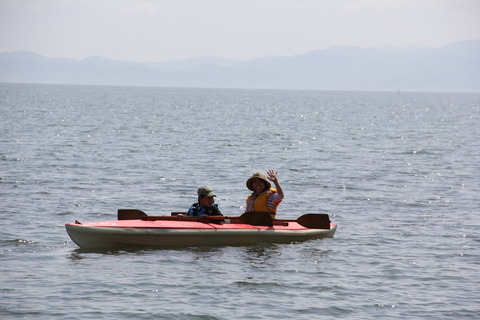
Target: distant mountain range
454	67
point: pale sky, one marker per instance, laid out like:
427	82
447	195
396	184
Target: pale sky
160	30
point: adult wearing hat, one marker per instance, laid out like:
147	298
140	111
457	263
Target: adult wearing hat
205	204
264	197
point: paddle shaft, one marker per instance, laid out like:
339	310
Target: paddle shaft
253	218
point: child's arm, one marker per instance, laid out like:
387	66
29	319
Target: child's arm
272	176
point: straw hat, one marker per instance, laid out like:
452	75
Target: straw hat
261	176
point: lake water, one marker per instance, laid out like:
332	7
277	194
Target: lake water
399	172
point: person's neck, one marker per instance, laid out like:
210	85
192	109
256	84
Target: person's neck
260	193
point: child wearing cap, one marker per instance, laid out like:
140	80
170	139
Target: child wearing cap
264	197
205	204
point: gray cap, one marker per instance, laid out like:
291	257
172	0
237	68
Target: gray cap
206	191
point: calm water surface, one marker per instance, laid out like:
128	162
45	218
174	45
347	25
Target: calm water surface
398	172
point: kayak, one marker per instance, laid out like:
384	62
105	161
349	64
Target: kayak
178	232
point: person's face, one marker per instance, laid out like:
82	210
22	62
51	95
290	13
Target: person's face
206	201
258	185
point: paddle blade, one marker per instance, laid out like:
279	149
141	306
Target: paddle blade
257	218
130	214
315	221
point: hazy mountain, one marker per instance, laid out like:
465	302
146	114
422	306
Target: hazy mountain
455	67
185	65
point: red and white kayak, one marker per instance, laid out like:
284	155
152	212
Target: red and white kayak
174	233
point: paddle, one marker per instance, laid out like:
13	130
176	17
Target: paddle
130	214
252	218
309	220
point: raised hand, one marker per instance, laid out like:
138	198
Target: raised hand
272	176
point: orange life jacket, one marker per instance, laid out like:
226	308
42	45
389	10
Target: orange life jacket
260	203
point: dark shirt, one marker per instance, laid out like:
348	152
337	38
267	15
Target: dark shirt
197	210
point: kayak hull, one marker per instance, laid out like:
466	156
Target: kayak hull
125	233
